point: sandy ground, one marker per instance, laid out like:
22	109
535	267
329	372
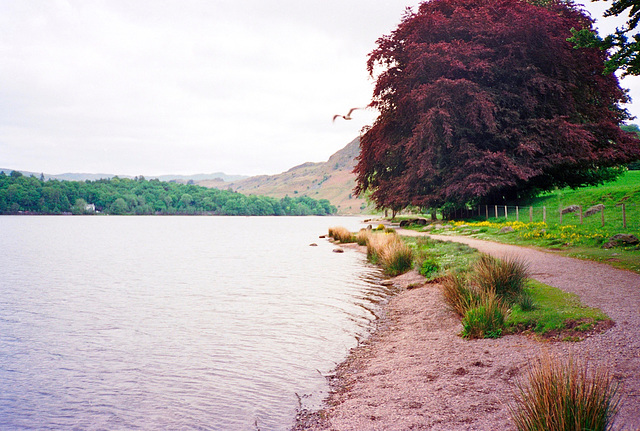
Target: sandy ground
416	373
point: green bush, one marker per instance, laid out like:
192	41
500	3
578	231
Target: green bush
564	396
429	267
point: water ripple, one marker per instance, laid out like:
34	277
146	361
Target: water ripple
195	323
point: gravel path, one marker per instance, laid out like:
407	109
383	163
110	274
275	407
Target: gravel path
416	373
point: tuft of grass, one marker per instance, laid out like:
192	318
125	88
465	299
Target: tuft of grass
486	319
506	277
565	395
362	236
457	293
388	250
525	301
341	234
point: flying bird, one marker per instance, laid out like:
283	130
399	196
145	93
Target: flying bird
346	117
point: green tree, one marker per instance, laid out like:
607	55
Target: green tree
624	44
119	207
79	207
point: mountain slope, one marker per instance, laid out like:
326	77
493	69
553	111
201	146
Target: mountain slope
332	180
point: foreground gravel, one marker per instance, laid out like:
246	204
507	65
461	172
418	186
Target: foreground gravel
416	373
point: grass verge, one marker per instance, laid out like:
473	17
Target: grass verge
571	240
434	259
555	314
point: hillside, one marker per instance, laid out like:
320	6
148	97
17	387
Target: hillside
332	180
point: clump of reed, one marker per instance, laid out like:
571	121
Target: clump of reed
341	234
362	236
562	395
388	250
506	277
458	293
482	296
486	318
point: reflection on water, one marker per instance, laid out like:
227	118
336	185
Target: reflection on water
174	322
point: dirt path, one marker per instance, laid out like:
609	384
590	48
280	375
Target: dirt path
416	373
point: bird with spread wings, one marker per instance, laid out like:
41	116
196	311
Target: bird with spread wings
345	117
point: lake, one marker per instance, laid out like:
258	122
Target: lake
203	323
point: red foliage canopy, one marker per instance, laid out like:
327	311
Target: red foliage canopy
485	100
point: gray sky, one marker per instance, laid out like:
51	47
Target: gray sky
189	86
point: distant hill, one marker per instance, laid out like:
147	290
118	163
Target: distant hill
221	176
332	180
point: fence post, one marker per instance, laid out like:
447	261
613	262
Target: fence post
580	213
624	216
602	216
506	216
544	214
530	214
496	210
517	213
560	211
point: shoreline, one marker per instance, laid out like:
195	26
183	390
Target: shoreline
415	372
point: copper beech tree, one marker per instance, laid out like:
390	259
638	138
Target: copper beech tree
486	100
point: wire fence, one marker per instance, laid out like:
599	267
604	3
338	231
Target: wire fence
619	216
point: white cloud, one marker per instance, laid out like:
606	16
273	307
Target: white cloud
148	87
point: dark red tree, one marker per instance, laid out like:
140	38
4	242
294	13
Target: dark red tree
487	100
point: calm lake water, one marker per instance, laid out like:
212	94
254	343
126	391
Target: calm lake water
208	323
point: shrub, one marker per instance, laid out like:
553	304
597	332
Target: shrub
380	227
429	267
486	319
506	277
457	293
341	234
564	395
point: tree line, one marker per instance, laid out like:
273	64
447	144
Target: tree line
20	194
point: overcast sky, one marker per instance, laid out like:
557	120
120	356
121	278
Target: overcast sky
156	87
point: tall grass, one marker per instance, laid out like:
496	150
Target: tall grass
481	297
565	395
341	234
506	277
389	251
486	319
362	236
458	294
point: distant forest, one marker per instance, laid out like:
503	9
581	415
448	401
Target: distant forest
20	194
